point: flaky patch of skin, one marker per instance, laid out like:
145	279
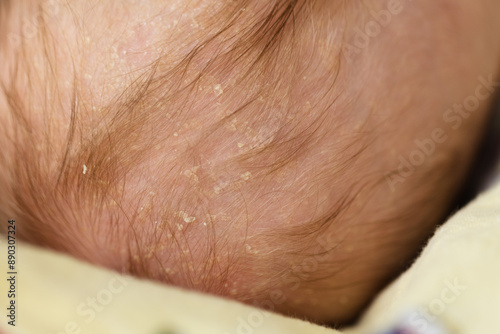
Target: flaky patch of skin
219	152
85	87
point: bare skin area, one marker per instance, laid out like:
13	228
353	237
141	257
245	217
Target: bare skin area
214	147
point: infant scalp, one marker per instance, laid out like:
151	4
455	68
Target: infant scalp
230	147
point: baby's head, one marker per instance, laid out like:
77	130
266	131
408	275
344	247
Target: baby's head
292	155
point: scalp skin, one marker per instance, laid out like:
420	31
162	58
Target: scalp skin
239	152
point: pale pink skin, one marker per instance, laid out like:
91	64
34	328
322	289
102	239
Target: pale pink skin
392	91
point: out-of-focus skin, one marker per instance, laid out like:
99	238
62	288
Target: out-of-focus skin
395	87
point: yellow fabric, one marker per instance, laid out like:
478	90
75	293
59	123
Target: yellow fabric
456	279
465	250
